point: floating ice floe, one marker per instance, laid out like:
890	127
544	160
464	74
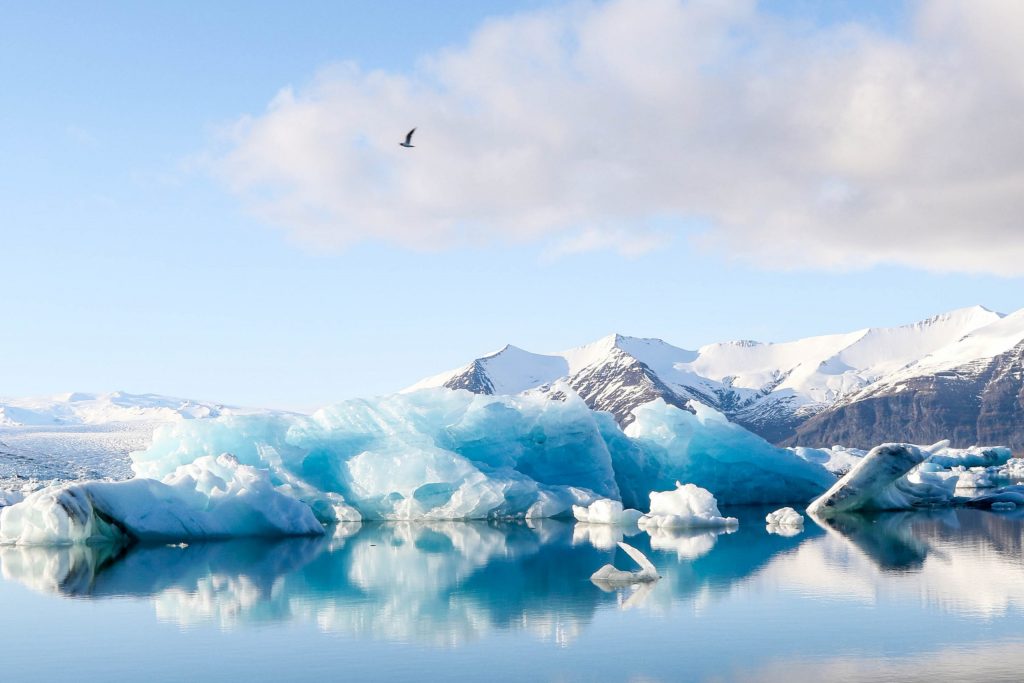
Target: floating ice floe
605	511
685	507
608	574
883	481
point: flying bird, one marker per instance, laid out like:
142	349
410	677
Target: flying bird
408	139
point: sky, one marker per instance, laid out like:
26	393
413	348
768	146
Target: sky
208	199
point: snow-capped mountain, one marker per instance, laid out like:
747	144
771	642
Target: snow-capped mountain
771	388
971	390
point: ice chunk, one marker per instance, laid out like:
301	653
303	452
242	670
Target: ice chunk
974	456
605	511
784	522
1003	505
685	507
1013	469
1007	494
608	574
883	481
735	465
784	517
213	497
975	477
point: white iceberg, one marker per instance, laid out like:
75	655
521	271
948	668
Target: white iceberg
976	477
685	507
608	574
605	511
884	480
209	498
784	517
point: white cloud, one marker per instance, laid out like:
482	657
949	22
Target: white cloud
577	127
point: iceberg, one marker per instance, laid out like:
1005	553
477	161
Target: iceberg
435	454
685	507
605	511
784	517
213	497
704	448
883	481
432	454
608	574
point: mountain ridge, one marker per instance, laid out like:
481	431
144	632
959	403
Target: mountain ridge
772	388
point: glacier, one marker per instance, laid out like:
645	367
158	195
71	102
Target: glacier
434	454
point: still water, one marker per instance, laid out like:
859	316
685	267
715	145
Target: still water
915	596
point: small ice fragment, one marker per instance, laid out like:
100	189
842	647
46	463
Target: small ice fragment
608	574
1004	505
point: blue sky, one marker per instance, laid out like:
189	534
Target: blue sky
129	264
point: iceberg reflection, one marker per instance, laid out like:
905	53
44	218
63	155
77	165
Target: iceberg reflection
446	583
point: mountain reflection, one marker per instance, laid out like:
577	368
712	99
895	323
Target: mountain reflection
446	583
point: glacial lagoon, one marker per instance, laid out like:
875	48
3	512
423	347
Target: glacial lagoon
909	596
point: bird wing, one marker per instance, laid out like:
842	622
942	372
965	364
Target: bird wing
641	559
408	138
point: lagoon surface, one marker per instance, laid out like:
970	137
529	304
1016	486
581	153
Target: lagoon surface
909	596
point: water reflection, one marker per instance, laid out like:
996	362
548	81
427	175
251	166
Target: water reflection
959	561
448	583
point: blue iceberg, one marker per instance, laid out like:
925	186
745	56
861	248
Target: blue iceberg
431	454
